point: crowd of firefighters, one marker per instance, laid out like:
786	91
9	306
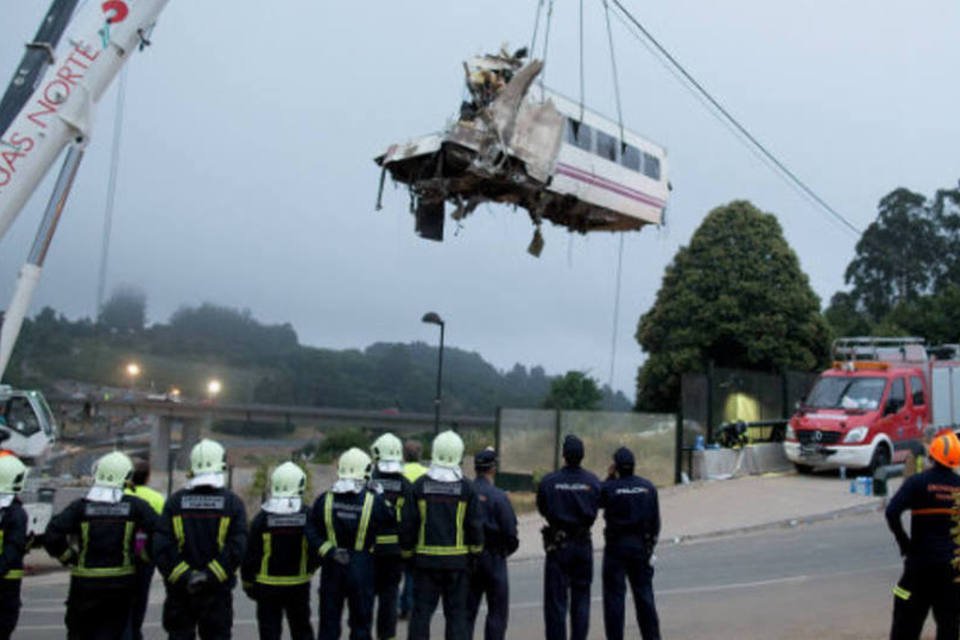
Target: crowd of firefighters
387	521
387	516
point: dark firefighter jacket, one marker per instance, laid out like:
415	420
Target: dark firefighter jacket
13	540
930	496
447	522
280	552
398	494
106	538
632	512
203	528
351	521
499	520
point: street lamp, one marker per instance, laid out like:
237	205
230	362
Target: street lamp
432	318
214	387
134	371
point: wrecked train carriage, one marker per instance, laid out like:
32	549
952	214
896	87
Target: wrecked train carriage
548	156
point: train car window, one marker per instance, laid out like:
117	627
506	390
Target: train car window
579	135
606	146
651	166
20	417
916	388
630	158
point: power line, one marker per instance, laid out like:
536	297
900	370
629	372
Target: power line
715	104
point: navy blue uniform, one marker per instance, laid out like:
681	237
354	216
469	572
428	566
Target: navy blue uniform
348	525
930	552
632	515
13	540
568	499
388	561
490	575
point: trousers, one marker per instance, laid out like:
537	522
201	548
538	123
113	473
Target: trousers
210	613
622	564
351	584
567	574
920	589
275	602
388	572
429	586
490	579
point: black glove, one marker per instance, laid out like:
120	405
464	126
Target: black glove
197	581
341	556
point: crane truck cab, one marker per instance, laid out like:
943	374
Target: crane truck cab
27	421
869	409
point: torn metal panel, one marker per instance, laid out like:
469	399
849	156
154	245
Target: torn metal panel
540	155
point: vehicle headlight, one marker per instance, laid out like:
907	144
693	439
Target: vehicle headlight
857	434
791	434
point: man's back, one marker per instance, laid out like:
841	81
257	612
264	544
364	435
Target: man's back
569	498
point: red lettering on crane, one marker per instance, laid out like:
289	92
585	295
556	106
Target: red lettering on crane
22	143
116	10
47	110
5	177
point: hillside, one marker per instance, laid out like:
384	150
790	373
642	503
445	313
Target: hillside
267	364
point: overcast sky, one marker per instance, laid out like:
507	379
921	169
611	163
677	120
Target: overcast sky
247	178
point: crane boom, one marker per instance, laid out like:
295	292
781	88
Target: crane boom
58	113
60	110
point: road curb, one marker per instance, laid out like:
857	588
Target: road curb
788	523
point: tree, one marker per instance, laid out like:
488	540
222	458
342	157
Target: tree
125	310
735	296
574	391
900	255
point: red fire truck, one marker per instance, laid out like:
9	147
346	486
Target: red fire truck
875	404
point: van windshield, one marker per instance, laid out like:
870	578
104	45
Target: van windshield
847	393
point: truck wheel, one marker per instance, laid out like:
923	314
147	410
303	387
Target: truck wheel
803	469
881	458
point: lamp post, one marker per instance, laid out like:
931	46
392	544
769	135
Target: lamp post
432	318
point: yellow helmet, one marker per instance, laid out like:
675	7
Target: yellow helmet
112	470
13	473
447	449
288	481
354	464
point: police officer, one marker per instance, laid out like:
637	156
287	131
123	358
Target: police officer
632	514
139	488
349	518
499	541
568	499
200	542
450	537
102	582
388	563
930	568
281	558
13	541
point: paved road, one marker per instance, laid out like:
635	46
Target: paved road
829	580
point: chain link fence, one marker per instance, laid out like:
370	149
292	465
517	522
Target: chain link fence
529	442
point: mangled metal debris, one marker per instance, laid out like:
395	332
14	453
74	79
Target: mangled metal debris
542	153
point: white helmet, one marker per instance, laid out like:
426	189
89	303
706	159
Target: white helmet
208	456
387	448
447	450
112	470
354	464
288	481
13	473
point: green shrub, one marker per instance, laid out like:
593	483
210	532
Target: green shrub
337	441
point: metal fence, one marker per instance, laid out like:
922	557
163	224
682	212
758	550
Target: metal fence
529	441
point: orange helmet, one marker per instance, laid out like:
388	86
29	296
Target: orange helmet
945	449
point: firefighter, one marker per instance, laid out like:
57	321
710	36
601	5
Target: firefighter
281	558
349	518
200	542
450	537
499	541
13	540
138	487
632	514
388	562
931	552
412	469
102	581
568	499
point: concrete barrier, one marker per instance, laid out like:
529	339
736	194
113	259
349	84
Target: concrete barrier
753	459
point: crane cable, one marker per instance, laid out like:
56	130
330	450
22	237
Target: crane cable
616	75
581	62
111	188
692	82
